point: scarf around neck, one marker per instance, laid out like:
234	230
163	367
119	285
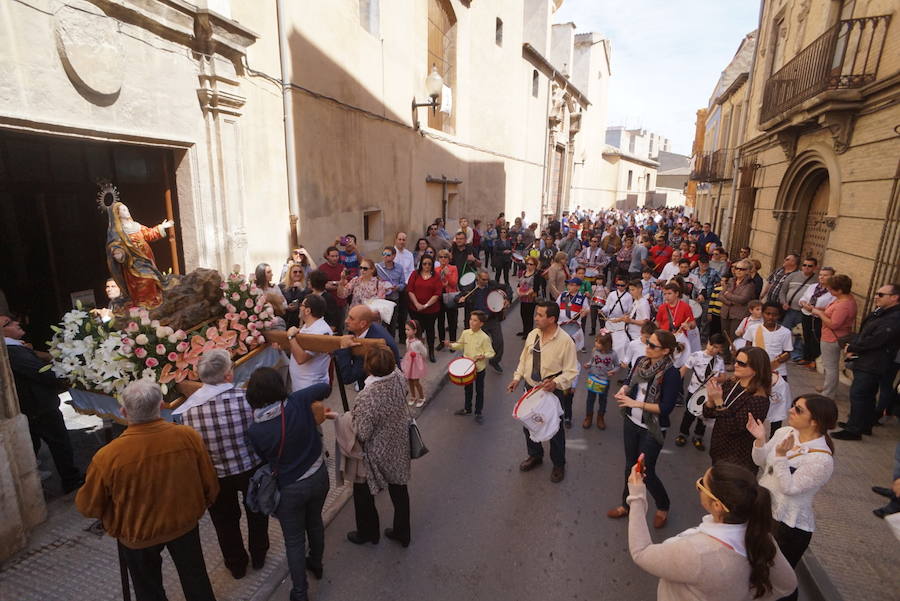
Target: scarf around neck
652	374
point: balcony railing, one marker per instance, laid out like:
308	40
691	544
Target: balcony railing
711	166
846	56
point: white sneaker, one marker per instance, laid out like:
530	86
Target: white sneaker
411	402
420	403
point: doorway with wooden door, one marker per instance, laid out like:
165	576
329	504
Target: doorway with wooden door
52	232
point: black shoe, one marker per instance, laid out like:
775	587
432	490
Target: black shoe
497	368
847	435
357	539
238	573
881	512
463	412
884	492
431	356
479	418
680	440
314	568
389	532
530	463
698	444
568	423
520	333
439	347
558	473
258	563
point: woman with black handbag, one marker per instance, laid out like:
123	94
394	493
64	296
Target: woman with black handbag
381	420
284	435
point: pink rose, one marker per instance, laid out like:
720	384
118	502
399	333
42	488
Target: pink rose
253	318
125	350
243	315
251	326
231	308
181	347
249	303
132	327
223	302
127	341
235	296
151	362
160	349
172	357
140	352
223	286
243	287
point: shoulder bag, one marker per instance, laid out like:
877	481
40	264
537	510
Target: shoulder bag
262	491
417	446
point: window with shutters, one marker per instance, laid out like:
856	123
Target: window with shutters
535	83
442	55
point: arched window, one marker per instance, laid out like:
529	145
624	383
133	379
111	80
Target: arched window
442	54
535	83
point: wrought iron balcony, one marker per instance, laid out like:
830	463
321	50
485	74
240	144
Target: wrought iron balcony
711	166
846	56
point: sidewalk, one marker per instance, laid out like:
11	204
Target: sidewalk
65	560
852	548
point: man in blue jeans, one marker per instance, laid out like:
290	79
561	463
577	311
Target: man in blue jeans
549	360
871	355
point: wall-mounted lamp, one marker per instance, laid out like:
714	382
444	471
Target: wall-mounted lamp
433	85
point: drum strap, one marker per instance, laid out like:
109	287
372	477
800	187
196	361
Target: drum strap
801	287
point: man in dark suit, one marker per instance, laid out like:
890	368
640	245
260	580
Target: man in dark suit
39	402
361	323
477	300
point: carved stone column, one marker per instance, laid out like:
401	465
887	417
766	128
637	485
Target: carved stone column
21	496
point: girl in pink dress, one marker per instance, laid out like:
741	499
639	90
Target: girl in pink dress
413	362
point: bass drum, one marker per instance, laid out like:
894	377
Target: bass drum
695	402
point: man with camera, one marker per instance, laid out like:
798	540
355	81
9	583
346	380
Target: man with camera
870	355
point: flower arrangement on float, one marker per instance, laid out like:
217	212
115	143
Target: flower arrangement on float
100	358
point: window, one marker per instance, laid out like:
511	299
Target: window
630	178
372	226
651	146
631	143
498	32
442	54
535	83
370	16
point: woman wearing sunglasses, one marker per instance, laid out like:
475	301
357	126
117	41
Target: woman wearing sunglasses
729	404
364	286
646	399
729	556
796	462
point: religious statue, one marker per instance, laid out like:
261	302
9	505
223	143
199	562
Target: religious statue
129	256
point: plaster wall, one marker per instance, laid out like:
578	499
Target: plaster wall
592	75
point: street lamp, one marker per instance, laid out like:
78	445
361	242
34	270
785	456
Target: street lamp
433	85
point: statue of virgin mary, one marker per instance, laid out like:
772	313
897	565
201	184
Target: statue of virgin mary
131	261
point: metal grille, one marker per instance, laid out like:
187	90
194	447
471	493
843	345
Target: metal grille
815	236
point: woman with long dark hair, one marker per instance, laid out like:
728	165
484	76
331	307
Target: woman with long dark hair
424	289
502	256
797	461
647	398
729	556
262	277
729	404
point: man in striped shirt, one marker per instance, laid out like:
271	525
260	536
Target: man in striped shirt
221	415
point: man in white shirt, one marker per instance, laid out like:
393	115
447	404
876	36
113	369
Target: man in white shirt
307	367
618	304
670	270
776	339
404	257
691	285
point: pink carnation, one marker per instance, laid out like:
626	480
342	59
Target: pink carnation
243	315
223	302
243	287
181	347
151	362
253	318
173	356
160	349
125	350
140	352
231	308
127	341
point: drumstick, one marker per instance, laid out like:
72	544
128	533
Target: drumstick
467	295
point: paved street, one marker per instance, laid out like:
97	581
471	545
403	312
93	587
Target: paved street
484	530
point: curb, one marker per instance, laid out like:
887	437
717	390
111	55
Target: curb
816	578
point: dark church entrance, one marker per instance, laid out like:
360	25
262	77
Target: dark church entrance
52	232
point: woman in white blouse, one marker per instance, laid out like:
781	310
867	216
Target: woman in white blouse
815	297
796	463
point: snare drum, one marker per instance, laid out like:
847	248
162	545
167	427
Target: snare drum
517	257
495	301
467	279
461	371
591	273
597	384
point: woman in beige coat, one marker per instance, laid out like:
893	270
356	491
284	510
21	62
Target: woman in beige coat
557	275
735	297
730	556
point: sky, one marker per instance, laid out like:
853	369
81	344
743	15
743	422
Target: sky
667	56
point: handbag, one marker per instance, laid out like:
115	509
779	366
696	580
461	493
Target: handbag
262	492
417	446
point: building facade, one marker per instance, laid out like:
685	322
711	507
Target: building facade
819	159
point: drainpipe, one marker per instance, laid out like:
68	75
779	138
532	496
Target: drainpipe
290	149
728	221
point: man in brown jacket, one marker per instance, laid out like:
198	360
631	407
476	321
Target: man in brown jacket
150	487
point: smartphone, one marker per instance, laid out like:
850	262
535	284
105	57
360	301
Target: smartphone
344	240
640	464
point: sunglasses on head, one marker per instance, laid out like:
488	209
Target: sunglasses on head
708	492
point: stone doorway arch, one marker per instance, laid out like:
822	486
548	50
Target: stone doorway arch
807	204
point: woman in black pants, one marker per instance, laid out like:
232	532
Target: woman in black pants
648	397
502	256
424	290
527	292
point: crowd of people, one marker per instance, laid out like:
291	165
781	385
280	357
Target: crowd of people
665	305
